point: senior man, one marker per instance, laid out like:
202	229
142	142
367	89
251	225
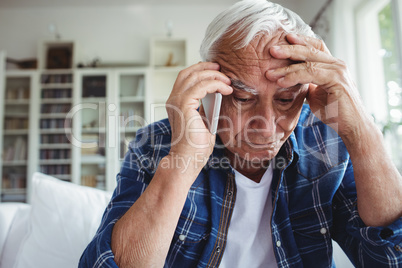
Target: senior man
276	183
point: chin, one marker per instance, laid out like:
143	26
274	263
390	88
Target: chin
257	155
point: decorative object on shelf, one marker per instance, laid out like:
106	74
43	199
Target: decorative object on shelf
169	62
169	27
54	31
22	64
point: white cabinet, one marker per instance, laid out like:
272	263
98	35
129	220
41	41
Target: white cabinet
109	108
76	124
18	132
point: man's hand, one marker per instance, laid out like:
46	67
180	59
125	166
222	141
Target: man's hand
332	96
141	238
190	136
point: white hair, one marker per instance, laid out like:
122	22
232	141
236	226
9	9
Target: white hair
247	19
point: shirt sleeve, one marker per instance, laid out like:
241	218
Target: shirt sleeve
365	246
132	181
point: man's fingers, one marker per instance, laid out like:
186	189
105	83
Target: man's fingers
295	39
196	77
301	53
204	87
311	67
317	76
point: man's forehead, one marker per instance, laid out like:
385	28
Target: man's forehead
253	58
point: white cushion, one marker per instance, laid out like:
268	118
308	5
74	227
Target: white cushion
18	230
64	218
7	214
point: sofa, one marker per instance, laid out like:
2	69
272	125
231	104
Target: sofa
54	229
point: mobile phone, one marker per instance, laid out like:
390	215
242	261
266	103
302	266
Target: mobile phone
212	107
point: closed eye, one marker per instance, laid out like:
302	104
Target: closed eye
243	100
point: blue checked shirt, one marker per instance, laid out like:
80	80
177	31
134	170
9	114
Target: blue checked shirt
314	201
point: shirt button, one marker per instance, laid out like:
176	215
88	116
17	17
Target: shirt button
323	231
278	244
182	237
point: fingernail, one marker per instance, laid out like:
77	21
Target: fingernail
276	48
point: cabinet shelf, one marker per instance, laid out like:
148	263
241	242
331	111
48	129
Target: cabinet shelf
19	115
55	131
64	177
15	163
93	99
55	162
17	102
56	146
53	115
15	132
57	71
94	130
14	191
56	100
132	99
57	86
129	129
92	159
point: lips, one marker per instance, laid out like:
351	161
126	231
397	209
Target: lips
268	145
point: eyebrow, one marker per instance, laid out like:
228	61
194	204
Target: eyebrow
240	85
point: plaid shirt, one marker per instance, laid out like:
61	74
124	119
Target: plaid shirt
314	201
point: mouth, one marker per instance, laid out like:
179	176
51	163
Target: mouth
266	145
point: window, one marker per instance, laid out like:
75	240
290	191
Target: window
391	58
380	67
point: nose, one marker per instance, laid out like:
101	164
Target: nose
262	123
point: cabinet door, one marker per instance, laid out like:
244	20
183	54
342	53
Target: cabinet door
92	129
16	121
55	100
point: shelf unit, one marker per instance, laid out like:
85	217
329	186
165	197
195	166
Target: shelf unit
56	92
168	56
18	143
76	124
131	106
90	127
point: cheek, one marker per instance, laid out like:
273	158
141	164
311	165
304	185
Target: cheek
230	119
288	121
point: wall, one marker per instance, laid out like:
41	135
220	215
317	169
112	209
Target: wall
114	34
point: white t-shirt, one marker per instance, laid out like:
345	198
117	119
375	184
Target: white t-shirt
249	241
